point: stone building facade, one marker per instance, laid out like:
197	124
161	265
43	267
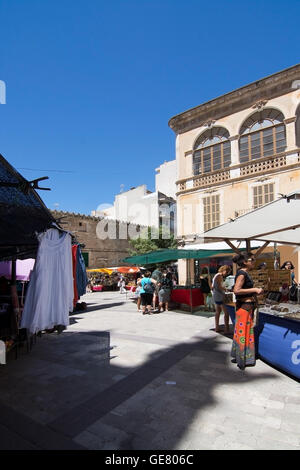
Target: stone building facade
97	252
237	152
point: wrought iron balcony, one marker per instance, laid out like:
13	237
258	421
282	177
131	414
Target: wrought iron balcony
262	166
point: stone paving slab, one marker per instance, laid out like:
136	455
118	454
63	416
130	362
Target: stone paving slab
116	379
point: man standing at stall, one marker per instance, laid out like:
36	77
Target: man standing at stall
157	276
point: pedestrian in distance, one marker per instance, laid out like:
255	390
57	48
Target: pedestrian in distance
122	284
243	346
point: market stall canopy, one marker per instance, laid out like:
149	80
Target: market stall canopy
22	213
121	269
128	269
218	246
161	256
100	270
23	269
278	221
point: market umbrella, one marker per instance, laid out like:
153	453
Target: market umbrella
160	256
278	221
100	270
128	269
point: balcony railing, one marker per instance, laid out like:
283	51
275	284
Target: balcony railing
212	178
256	167
261	166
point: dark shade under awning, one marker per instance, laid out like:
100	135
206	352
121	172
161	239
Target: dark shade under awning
22	213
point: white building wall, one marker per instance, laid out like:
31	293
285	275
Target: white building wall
137	206
165	178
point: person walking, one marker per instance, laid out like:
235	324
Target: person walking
122	284
218	294
164	291
147	288
243	346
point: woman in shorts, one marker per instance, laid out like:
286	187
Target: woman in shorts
218	294
147	289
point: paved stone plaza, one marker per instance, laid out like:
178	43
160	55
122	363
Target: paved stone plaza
116	379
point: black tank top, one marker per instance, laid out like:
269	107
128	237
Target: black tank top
248	284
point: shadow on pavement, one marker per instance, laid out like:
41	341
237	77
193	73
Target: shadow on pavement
69	387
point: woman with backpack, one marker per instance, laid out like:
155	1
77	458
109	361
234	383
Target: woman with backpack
147	289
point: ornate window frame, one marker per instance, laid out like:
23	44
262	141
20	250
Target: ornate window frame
212	151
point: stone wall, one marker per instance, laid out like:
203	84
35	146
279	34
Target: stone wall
101	253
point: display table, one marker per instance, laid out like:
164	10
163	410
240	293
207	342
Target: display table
277	341
97	288
187	296
131	288
231	310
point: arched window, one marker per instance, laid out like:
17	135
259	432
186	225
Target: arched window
262	135
211	151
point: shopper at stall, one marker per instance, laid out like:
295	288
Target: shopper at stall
147	288
164	290
205	283
157	276
243	347
289	266
218	294
138	292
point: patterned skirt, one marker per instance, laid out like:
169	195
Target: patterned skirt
243	346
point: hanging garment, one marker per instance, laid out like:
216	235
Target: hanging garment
50	293
81	276
74	267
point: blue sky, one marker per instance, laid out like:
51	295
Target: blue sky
92	84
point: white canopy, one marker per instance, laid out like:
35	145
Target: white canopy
217	245
278	221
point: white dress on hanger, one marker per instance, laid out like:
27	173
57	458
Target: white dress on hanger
50	292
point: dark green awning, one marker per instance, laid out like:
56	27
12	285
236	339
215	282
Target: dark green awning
160	256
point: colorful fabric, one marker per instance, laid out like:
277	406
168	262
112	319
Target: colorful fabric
243	346
74	266
81	276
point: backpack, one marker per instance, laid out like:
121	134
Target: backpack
148	288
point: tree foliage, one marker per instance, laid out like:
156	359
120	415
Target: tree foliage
152	239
